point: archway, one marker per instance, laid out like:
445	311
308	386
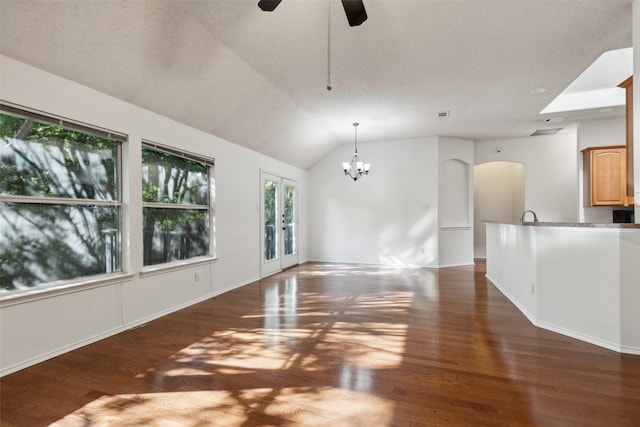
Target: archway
498	192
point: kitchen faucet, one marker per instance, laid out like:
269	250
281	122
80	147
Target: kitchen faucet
535	217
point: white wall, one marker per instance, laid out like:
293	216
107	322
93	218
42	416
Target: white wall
597	133
550	179
455	202
578	281
511	264
35	328
391	216
636	108
553	169
550	168
601	132
630	290
388	217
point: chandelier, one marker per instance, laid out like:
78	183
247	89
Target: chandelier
356	168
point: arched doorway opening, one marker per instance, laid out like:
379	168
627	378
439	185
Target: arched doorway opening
498	194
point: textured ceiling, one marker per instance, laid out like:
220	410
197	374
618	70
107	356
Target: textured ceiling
259	79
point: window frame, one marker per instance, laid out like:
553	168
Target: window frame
209	163
80	281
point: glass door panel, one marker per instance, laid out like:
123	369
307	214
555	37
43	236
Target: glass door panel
269	227
278	224
270	224
289	223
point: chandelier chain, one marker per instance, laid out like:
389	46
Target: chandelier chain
355	138
329	47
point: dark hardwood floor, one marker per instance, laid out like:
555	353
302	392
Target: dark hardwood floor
335	345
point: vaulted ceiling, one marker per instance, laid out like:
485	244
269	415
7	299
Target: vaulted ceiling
259	79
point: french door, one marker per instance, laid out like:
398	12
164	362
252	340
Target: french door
278	223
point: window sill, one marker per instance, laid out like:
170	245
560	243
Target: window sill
53	290
178	265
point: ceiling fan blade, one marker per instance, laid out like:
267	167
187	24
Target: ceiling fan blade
354	9
268	5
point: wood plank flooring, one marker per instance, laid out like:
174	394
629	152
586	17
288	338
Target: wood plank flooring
335	345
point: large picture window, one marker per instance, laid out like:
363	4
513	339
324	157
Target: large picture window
60	202
176	196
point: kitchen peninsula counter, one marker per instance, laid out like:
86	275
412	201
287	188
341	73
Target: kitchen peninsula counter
568	224
578	279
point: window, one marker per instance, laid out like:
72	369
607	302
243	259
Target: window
60	202
176	199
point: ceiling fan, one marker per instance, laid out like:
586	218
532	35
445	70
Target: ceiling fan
354	9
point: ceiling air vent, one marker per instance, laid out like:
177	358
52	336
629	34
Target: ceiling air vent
546	131
442	114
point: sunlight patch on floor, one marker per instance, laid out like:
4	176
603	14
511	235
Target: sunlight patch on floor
307	406
377	344
363	270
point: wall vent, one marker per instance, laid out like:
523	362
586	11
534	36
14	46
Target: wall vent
442	114
554	119
546	131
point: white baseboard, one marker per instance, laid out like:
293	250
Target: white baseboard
6	370
560	330
159	314
455	265
630	350
530	316
579	336
62	350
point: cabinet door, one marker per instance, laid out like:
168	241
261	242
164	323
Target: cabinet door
608	177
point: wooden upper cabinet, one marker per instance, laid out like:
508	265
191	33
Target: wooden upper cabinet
605	177
627	85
